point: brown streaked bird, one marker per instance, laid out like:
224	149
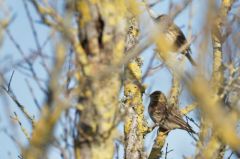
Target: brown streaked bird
165	116
174	35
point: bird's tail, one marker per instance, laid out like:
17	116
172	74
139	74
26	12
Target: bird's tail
191	59
190	131
192	135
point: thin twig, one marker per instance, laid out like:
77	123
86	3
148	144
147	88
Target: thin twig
30	65
35	36
166	151
21	126
20	106
9	83
229	157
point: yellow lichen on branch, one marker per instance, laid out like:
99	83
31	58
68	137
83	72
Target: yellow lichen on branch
135	70
134	126
175	91
83	7
159	142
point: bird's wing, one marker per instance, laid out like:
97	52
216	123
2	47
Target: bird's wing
181	41
180	37
175	116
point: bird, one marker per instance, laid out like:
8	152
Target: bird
174	36
165	116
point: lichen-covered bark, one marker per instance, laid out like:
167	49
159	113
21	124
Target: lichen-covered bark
102	34
134	126
159	142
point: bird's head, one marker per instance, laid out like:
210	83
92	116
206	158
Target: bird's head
164	21
163	18
158	96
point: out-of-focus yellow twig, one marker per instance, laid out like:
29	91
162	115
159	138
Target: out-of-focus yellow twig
44	129
61	26
214	147
212	110
188	108
217	77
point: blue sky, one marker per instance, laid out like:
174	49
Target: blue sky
9	55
